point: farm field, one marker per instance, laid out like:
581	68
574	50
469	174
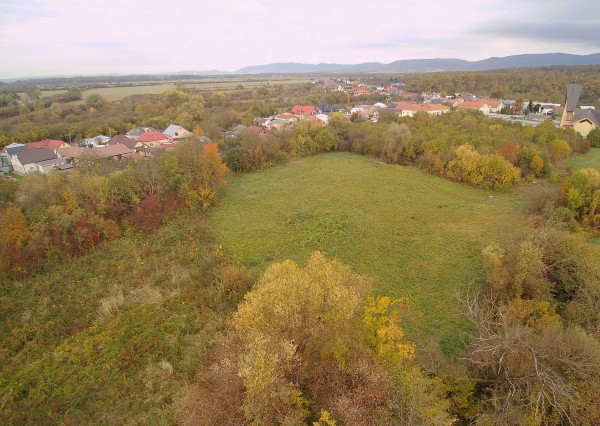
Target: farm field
117	93
589	160
416	235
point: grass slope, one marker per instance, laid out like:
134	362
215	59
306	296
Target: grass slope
418	236
586	161
110	337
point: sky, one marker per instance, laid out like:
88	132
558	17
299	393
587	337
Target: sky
89	37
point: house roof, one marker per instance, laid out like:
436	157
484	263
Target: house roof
35	155
286	116
427	107
590	114
325	107
71	151
110	151
98	139
12	150
303	109
51	162
64	166
137	131
254	129
573	94
133	156
152	137
172	129
479	104
51	144
123	140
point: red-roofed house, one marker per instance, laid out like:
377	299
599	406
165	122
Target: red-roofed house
255	129
305	110
153	139
487	106
51	144
408	109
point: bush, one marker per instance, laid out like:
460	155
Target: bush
594	138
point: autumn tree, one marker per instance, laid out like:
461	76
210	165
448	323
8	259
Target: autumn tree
307	340
203	169
174	98
560	149
509	151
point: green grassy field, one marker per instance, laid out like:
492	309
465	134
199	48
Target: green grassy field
589	160
117	93
417	235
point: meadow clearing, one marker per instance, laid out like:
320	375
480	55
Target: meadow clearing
585	161
416	235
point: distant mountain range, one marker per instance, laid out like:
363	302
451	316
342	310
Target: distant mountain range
402	66
427	65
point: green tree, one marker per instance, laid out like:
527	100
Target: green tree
594	138
95	101
174	98
33	93
396	138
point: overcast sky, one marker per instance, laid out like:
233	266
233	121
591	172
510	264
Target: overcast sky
52	37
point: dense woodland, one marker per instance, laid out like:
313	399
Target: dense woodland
119	306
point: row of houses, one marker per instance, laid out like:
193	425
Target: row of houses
320	112
48	154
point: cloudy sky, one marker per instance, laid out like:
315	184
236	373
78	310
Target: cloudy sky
83	37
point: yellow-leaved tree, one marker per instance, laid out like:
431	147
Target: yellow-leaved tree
310	340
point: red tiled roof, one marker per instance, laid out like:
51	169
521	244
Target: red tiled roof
479	104
51	144
304	109
152	137
285	116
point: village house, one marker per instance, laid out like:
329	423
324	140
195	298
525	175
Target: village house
409	109
325	108
51	144
583	121
70	153
26	160
132	144
137	131
367	111
7	153
97	140
153	139
177	132
287	118
255	129
305	110
487	106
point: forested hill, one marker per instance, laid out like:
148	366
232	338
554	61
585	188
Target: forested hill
426	65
